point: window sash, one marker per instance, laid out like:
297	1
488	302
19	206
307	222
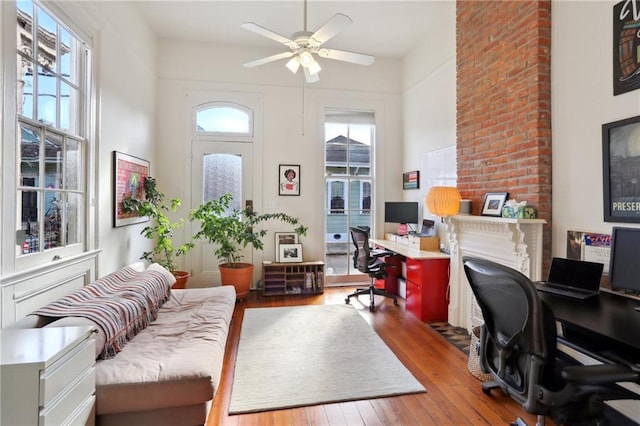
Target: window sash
51	157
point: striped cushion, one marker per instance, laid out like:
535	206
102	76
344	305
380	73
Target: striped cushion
121	304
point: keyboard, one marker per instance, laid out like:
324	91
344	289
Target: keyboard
564	291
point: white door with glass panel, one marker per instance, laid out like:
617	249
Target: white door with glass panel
218	168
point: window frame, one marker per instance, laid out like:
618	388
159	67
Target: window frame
362	185
345	193
12	258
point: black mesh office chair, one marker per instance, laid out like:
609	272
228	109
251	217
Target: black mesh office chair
368	262
518	349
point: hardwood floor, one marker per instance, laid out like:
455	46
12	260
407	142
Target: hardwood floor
453	395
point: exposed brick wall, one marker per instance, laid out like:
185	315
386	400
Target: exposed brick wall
503	56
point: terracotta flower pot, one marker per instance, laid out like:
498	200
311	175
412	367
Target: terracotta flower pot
238	276
181	279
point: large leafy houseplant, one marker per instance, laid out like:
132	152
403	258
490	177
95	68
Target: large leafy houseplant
161	228
233	229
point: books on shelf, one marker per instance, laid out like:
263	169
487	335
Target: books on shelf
309	282
319	280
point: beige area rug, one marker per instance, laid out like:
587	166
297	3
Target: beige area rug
317	354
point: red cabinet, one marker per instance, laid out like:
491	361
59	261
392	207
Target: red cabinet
394	271
427	282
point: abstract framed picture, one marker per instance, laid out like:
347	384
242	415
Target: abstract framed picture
289	179
493	203
621	170
129	173
290	253
411	180
284	238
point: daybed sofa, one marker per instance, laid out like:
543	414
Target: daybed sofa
168	368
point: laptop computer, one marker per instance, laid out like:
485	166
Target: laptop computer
578	279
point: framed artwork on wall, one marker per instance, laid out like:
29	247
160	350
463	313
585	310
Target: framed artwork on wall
493	203
621	170
626	45
289	179
411	180
129	173
284	238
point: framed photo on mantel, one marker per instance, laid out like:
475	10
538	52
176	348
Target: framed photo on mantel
493	203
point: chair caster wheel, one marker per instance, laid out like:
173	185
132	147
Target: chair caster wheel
346	300
371	308
486	391
395	301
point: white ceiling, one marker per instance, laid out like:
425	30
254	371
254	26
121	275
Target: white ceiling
380	28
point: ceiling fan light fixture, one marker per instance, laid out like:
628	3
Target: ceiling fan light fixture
314	68
310	78
304	44
306	59
293	64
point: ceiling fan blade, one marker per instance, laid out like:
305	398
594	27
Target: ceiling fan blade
311	78
343	55
331	28
268	59
266	33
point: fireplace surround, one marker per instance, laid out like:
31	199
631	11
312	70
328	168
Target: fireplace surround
516	243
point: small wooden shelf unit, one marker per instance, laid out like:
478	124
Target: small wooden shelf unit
292	278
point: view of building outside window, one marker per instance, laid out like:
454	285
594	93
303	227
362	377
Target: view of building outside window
349	141
51	65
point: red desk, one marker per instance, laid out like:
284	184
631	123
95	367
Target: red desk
427	280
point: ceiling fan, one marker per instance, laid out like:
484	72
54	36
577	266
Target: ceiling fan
304	44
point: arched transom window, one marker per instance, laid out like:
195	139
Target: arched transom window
224	118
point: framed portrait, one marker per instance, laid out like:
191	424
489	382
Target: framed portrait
284	238
129	174
411	180
493	203
290	253
621	170
289	179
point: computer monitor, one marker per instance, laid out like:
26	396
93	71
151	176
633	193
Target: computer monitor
401	212
624	263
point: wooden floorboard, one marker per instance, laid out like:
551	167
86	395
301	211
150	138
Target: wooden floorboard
453	396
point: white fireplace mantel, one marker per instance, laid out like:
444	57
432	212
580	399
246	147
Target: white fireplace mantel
516	243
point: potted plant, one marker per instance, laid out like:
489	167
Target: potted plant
231	230
161	229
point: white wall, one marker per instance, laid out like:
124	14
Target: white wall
582	100
185	67
125	65
429	95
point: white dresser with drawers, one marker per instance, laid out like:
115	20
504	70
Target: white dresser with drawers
47	376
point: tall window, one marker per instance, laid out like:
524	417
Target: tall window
52	76
349	141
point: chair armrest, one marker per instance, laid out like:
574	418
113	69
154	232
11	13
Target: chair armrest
600	374
381	253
